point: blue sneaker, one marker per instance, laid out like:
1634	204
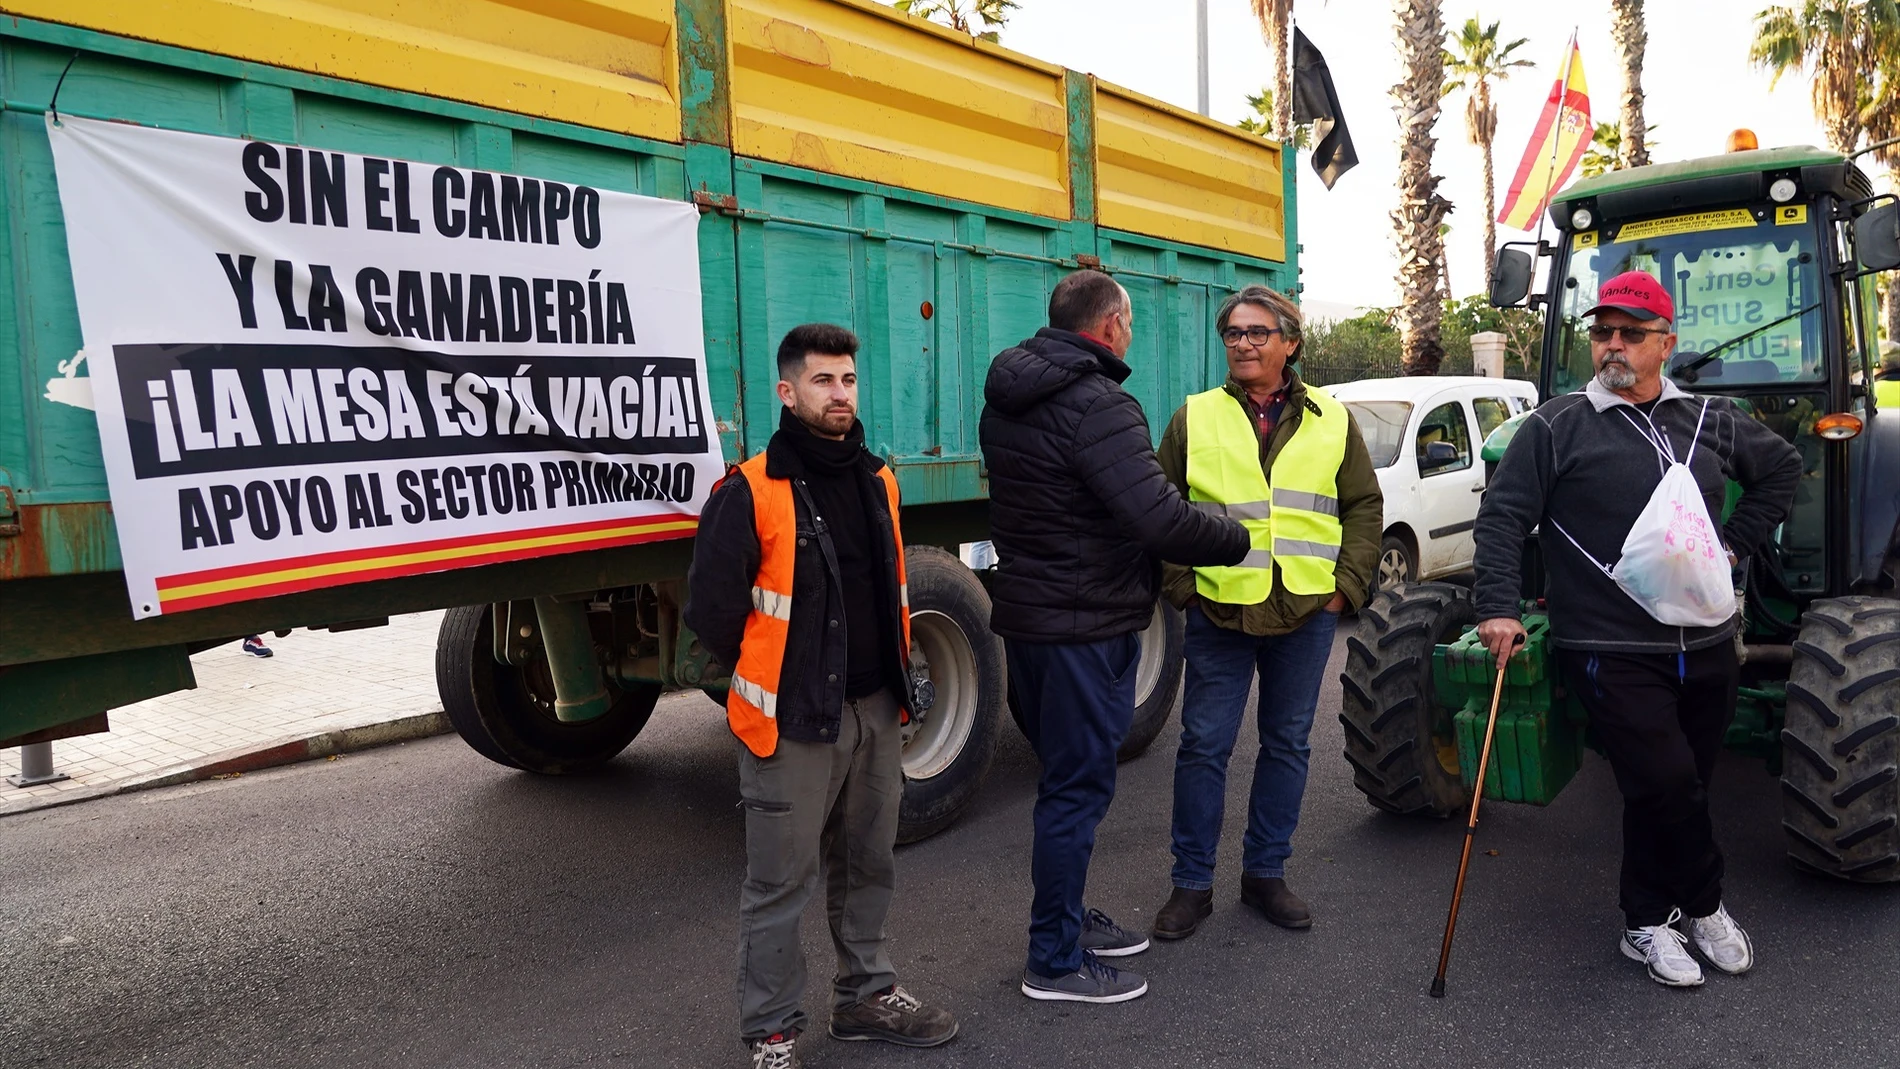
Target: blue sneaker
254	646
1093	982
1106	939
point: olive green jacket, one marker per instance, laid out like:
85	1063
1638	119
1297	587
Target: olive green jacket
1361	514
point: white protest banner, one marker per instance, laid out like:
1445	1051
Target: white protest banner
313	368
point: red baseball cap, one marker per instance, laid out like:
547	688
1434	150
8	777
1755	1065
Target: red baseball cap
1636	294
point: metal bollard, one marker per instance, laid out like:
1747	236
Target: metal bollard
36	766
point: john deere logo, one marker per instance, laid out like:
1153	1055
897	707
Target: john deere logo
1791	213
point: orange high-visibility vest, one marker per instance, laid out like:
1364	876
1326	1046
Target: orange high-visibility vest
752	700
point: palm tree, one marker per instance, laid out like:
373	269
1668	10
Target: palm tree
963	14
1631	36
1479	61
1880	115
1275	16
1832	41
1605	153
1421	40
1260	123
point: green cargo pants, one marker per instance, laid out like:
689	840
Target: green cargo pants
806	803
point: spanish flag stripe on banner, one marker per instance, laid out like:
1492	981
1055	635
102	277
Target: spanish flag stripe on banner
1563	133
218	586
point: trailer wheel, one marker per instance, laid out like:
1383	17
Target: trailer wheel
507	714
1840	799
1157	678
1403	754
948	747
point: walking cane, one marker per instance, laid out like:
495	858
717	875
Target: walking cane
1471	829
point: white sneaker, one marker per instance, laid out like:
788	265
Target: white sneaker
1723	942
776	1052
1661	947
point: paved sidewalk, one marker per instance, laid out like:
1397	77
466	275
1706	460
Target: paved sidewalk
319	682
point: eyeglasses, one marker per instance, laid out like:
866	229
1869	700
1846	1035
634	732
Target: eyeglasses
1232	336
1631	335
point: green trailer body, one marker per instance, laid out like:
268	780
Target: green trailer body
933	284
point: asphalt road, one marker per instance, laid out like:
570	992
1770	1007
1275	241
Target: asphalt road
417	906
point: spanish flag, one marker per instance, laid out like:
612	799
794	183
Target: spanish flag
1563	133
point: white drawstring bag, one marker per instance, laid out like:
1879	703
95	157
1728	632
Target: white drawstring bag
1673	563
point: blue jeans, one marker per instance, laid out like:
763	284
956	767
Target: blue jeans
1220	670
1077	702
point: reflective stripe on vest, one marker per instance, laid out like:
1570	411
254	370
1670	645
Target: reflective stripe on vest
752	697
1291	514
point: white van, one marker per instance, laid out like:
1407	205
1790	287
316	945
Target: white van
1424	433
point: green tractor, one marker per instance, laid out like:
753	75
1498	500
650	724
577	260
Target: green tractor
1770	256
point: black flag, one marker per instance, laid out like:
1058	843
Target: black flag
1315	101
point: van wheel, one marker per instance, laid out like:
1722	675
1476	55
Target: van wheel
507	713
1157	678
949	746
1397	564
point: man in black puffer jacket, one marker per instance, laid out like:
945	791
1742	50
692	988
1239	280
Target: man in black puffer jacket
1081	516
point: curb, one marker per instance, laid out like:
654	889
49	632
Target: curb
254	758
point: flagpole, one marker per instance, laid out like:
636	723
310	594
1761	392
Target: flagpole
1556	136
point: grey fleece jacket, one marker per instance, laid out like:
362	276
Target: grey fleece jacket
1580	461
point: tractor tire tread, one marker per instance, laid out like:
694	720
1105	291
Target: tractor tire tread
1841	772
1386	702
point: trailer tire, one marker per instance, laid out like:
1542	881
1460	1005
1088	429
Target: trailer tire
507	714
948	748
1840	784
1403	755
1157	678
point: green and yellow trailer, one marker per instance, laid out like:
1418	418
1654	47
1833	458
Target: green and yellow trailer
847	163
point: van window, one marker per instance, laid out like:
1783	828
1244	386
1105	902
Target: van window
1442	426
1491	411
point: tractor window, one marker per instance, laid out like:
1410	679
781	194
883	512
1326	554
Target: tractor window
1746	286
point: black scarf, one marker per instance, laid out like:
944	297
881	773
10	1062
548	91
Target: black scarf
823	456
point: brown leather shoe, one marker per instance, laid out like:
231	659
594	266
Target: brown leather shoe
894	1016
1270	895
1183	913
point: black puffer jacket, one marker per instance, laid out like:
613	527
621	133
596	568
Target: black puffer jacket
1080	512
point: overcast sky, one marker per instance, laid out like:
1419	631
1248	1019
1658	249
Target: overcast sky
1697	78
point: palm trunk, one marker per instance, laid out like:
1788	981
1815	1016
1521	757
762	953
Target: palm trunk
1275	17
1421	40
1632	37
1490	184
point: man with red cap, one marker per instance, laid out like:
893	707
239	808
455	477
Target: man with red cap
1580	472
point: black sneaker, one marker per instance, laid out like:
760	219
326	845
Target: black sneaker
894	1016
1106	939
1093	982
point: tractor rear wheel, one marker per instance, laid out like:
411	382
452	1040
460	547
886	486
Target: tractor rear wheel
1403	753
1840	785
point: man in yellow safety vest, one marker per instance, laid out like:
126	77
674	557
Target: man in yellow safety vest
1287	461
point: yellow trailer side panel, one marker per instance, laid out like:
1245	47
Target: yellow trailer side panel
853	88
1167	173
608	64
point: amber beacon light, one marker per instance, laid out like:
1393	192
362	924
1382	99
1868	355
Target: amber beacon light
1742	141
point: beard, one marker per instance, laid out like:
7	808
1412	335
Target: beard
825	419
1615	374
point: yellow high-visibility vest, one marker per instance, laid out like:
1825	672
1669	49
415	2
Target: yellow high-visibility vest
1887	393
1291	513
